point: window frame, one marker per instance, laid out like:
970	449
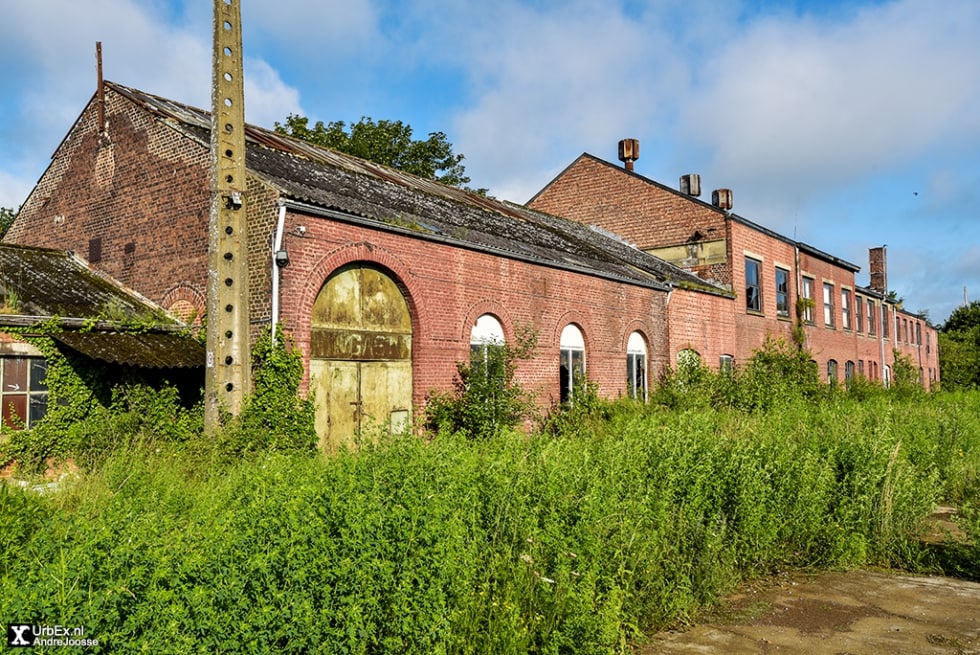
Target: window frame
637	359
753	303
782	295
571	356
486	335
828	305
26	393
808	286
845	308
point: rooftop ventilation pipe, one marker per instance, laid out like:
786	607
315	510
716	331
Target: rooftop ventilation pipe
691	184
722	198
629	152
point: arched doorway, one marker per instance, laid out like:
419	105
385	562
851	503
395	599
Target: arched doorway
360	354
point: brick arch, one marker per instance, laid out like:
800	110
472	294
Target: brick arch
643	329
578	319
185	301
364	252
478	309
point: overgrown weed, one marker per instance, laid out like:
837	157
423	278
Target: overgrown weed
614	519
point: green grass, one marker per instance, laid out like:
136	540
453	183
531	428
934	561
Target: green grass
574	540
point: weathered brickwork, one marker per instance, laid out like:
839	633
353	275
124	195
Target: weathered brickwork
658	218
141	219
638	209
703	323
448	288
137	199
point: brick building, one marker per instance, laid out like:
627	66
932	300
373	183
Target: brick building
383	280
776	281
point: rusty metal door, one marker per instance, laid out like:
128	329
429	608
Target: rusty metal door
360	355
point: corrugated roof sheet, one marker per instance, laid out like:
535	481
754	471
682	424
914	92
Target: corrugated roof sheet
137	349
396	200
48	282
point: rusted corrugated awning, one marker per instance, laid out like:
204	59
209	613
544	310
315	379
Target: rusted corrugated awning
144	349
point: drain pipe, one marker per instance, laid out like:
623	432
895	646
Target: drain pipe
279	261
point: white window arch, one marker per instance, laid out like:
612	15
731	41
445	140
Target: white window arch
571	366
486	331
486	337
636	366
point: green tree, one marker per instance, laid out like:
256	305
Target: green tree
7	217
385	142
959	348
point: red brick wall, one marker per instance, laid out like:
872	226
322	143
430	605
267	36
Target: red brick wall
752	328
651	215
640	210
448	288
142	190
150	211
702	322
147	185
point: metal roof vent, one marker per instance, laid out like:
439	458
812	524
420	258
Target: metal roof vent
722	198
691	184
629	152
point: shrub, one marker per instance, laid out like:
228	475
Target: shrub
486	396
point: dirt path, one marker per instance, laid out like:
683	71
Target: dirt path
852	613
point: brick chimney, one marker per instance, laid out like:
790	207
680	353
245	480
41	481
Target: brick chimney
878	267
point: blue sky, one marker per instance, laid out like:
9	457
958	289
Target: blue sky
845	124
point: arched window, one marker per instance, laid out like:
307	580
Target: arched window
571	366
887	376
486	333
486	344
832	372
726	364
636	366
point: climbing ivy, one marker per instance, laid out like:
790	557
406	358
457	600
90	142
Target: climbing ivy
274	416
95	409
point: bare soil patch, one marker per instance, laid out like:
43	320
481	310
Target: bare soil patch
838	613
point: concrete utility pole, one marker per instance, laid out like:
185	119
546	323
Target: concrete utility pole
228	375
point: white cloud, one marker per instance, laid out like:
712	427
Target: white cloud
798	101
315	30
13	190
53	44
267	98
547	85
